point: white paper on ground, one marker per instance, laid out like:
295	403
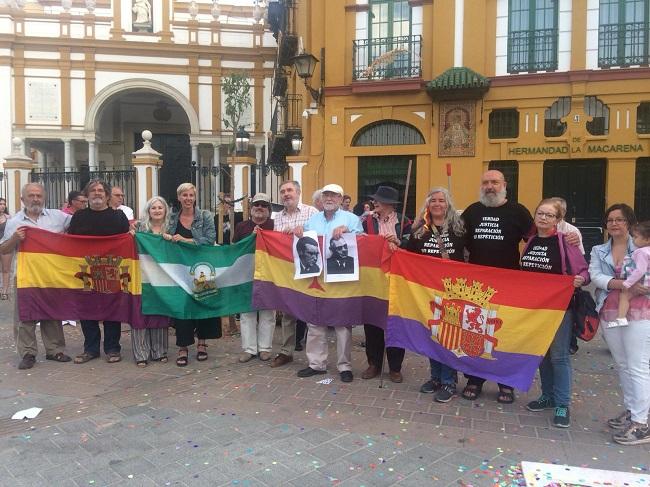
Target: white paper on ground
325	381
30	413
546	474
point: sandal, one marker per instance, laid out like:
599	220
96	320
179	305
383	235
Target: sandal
506	395
84	357
472	391
162	360
201	353
141	363
182	360
113	358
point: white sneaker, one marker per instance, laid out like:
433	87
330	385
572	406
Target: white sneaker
611	324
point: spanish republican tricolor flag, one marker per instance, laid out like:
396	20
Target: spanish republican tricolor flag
313	300
72	277
488	322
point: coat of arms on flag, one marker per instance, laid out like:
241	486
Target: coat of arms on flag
464	321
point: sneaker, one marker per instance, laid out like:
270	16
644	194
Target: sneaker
544	402
635	434
430	386
562	418
446	393
621	421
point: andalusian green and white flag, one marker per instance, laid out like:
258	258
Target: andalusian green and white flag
189	281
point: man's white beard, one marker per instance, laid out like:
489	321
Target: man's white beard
493	200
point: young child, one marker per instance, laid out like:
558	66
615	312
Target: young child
635	269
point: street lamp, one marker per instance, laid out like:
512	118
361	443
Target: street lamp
296	143
258	11
242	138
305	65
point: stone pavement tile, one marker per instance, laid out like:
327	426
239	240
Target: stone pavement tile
314	404
23	463
421	478
284	430
313	479
380	476
34	480
488	426
315	394
553	434
514	429
341	408
474	412
61	472
292	445
591	438
463	460
167	455
402	415
328	452
503	417
316	436
97	478
132	466
408	396
340	470
60	456
351	442
370	411
238	468
275	474
429	453
362	458
361	400
205	478
456	421
534	420
426	418
419	406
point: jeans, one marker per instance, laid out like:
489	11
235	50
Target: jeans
93	336
555	369
442	373
630	347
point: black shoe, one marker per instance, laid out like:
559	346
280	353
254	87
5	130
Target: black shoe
540	404
446	393
430	386
299	347
27	362
346	376
308	372
573	349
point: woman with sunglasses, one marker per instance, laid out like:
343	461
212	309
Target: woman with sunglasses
629	345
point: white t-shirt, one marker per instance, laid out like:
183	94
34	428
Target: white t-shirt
127	211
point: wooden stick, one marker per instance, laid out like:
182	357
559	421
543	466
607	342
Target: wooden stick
406	196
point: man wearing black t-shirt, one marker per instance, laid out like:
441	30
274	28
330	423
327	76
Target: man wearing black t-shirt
99	219
495	227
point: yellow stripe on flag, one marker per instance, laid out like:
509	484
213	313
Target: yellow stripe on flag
411	301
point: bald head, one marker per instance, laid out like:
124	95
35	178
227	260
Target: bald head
493	188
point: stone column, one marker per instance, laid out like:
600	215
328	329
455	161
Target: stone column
216	163
147	162
92	155
195	152
17	169
296	163
237	165
67	151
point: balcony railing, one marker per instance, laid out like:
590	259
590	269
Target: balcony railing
623	44
532	50
387	58
287	115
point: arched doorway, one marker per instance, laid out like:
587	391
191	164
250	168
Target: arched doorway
374	171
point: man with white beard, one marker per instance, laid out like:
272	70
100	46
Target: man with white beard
35	214
494	227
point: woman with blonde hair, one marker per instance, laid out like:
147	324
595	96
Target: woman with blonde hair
152	343
439	232
5	259
195	226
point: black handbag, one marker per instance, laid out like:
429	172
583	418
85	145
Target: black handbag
583	307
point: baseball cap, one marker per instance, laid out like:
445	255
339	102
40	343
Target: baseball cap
261	197
333	188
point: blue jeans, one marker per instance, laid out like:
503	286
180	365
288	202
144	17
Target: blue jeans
442	373
555	369
93	336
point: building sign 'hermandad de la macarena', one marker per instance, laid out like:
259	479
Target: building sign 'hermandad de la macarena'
590	148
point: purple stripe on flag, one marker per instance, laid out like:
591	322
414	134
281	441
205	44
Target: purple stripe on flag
324	311
513	369
35	304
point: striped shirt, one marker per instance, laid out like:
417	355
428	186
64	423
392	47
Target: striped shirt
288	221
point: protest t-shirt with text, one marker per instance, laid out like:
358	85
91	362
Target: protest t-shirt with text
493	234
543	255
428	244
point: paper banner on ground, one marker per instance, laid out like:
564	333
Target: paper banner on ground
552	475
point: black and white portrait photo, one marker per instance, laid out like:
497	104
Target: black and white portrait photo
342	262
307	256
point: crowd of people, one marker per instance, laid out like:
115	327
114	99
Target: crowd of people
488	232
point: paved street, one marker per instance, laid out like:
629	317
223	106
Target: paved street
223	423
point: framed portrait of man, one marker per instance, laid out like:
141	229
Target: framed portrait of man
342	262
307	258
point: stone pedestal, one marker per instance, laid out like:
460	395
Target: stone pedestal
147	163
17	167
240	170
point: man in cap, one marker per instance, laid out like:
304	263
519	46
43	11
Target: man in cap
334	222
36	215
384	221
256	326
294	214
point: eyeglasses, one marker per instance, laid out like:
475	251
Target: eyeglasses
618	221
541	214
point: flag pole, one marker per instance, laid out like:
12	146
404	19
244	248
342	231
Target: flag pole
449	177
406	196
